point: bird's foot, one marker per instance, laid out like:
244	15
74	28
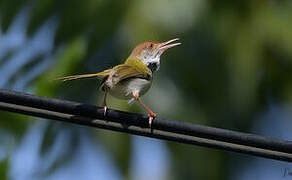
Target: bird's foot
104	110
152	115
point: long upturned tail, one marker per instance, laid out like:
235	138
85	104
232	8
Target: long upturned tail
99	75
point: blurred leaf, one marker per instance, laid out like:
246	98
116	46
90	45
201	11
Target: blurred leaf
40	12
4	169
8	9
15	123
68	58
118	144
273	24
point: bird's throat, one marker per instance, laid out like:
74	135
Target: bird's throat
152	66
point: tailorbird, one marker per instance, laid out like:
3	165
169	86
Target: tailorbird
133	78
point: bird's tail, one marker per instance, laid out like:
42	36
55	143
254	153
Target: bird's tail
99	75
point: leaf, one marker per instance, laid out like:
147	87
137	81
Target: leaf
4	169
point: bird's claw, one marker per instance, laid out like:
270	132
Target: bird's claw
104	110
151	117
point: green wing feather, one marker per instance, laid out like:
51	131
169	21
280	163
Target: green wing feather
125	71
139	66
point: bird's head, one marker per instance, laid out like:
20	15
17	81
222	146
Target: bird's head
149	52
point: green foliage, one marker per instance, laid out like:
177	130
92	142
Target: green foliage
4	169
8	9
14	123
69	57
118	144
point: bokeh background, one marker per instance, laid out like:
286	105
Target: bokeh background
233	70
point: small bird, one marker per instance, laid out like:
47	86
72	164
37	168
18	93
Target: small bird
133	78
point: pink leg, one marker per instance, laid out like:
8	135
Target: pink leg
104	103
150	112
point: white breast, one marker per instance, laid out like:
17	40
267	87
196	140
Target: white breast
124	89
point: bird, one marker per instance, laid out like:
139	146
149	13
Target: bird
132	79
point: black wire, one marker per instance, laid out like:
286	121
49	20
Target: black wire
132	123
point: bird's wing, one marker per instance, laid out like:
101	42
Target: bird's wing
122	72
138	65
125	71
99	75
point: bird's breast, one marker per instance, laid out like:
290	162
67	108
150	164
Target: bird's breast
124	88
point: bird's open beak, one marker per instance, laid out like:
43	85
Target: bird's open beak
168	44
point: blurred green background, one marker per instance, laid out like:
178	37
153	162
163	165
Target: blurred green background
233	70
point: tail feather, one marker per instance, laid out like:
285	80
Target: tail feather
99	75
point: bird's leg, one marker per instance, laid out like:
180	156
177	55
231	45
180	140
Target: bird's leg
104	103
150	112
106	89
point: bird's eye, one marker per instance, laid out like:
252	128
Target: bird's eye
151	45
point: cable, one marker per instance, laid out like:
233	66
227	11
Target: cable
137	124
